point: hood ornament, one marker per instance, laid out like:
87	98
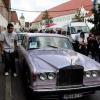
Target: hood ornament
74	60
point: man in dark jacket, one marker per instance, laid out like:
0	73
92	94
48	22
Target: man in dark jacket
92	46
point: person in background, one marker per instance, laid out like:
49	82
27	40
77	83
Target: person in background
92	46
82	43
64	33
76	41
98	53
9	44
59	31
78	35
79	31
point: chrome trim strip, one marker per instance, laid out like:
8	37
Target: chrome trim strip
78	88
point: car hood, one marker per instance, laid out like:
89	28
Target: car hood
53	60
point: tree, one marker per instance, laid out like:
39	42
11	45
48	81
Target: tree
46	18
79	17
96	20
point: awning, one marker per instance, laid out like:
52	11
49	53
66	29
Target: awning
50	24
57	26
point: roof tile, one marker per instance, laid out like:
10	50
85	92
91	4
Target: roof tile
67	8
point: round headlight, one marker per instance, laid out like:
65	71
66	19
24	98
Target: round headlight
94	74
88	74
51	76
43	76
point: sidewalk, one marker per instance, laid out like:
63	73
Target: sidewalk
11	88
2	81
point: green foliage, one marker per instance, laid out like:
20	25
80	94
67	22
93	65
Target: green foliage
96	21
46	18
78	16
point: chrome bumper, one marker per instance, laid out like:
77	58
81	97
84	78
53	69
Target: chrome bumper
70	89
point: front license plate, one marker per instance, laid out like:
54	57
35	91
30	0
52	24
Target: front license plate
72	96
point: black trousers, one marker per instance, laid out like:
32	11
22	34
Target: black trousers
9	60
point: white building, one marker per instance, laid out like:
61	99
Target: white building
22	21
66	12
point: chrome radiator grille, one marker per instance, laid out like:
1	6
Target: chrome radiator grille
70	75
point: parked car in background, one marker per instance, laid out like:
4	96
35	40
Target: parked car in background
73	28
51	68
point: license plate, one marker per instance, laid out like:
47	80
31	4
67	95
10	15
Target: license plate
72	96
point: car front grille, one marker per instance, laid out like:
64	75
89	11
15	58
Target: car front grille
70	75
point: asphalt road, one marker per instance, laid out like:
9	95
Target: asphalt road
12	88
2	83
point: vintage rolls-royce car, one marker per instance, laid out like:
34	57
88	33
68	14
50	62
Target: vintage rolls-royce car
52	68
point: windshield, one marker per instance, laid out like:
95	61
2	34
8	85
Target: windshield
49	41
84	29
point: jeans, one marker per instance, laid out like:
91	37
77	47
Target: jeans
9	60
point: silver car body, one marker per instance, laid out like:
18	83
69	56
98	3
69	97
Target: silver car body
51	60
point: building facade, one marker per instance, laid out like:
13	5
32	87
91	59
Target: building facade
4	13
15	21
22	21
66	12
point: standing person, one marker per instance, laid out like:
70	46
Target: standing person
82	43
9	40
98	53
92	46
76	41
78	35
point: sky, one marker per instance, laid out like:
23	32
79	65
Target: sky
33	5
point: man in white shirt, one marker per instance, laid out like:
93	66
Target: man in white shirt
9	40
